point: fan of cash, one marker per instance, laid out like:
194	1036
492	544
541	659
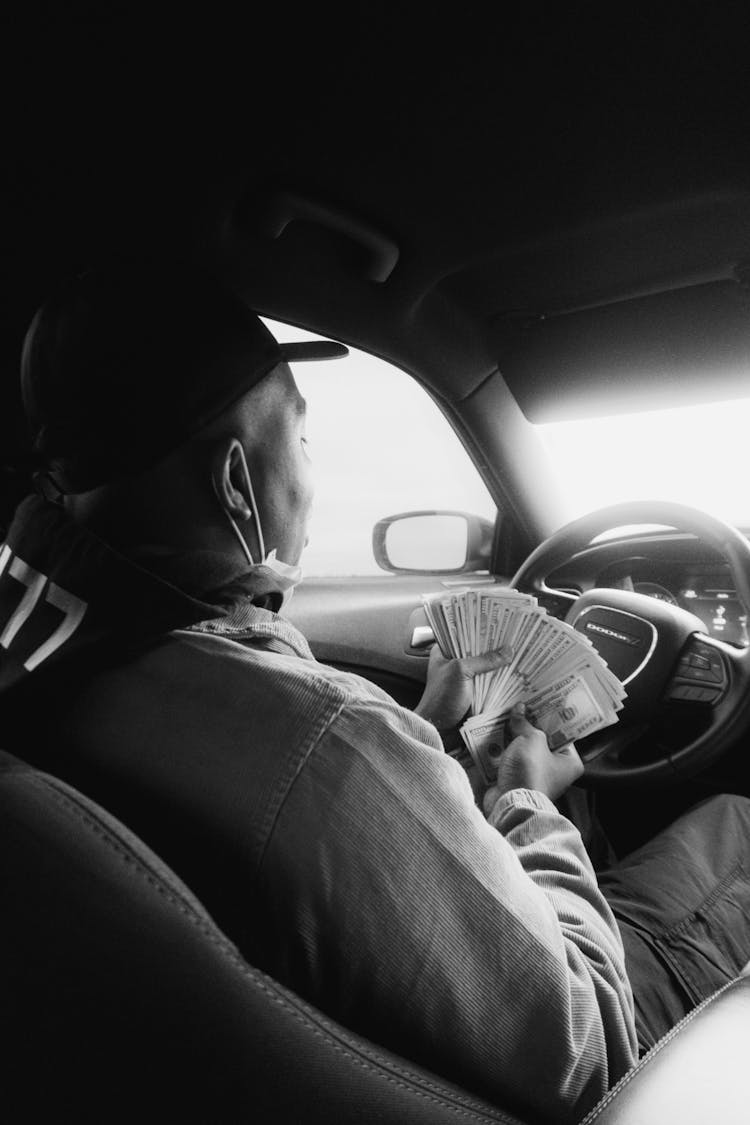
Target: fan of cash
554	670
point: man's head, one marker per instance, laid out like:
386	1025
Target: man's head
155	389
260	471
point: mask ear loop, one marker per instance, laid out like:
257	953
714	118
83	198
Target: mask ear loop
254	507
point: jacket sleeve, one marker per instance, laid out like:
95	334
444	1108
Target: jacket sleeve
483	951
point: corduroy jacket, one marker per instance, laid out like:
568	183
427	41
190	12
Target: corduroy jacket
331	836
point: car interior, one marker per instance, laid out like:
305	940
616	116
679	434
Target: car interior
545	219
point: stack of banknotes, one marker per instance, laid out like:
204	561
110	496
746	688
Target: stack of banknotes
554	670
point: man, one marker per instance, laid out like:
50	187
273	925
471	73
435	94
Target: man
322	824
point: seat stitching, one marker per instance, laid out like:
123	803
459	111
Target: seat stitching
369	1062
655	1050
67	797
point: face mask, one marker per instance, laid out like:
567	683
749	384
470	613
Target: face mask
285	576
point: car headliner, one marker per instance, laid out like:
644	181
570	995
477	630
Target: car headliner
566	198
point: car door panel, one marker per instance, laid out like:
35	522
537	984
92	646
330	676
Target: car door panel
366	625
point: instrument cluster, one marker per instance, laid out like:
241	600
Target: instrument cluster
706	592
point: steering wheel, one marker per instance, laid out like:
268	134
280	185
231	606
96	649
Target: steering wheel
688	693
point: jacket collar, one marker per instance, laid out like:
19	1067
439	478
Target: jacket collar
65	594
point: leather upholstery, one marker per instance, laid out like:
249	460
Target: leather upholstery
126	1003
122	1001
697	1074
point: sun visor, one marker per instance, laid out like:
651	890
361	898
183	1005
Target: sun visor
682	347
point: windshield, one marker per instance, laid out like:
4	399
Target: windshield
696	455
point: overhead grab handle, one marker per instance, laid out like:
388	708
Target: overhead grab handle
286	207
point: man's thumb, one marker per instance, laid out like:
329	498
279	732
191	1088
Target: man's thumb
487	661
518	722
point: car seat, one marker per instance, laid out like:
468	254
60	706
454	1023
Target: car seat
123	1001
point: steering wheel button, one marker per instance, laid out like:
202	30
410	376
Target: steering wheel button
683	691
694	693
710	674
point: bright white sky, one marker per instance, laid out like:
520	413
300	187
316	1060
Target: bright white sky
696	455
379	445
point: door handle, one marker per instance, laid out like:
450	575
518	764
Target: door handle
422	636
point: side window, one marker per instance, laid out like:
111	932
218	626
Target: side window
379	445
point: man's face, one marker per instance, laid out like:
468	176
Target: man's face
281	469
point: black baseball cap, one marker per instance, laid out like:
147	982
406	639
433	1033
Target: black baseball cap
123	363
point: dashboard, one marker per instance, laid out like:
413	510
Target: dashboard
672	567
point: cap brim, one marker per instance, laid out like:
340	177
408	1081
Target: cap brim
312	350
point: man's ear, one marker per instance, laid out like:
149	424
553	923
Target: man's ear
229	471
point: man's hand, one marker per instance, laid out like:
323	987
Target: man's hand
447	693
528	763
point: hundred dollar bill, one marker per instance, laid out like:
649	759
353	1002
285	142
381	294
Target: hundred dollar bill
484	738
568	689
564	715
566	711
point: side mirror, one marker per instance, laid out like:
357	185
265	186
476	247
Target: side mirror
432	543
